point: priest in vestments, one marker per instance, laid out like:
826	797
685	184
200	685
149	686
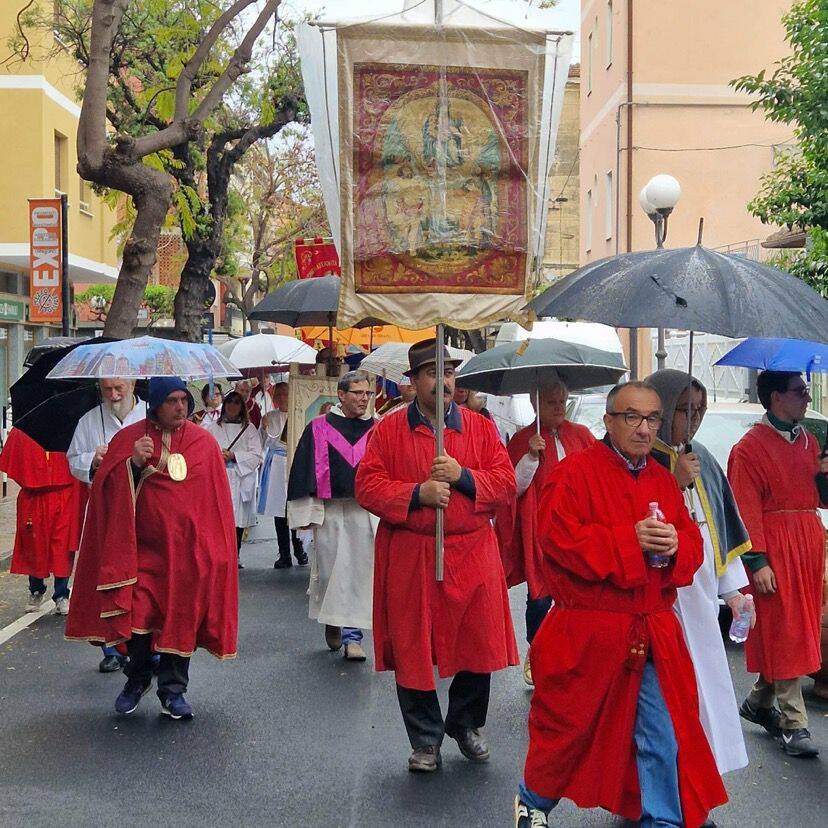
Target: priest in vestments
321	495
535	453
157	565
462	625
773	472
50	507
711	504
614	721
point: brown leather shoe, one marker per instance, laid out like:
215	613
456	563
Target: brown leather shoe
333	637
425	759
472	745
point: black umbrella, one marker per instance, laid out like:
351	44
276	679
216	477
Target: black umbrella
51	343
48	410
692	289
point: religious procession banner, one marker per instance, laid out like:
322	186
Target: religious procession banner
441	150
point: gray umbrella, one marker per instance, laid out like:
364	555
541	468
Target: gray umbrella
692	289
521	367
304	302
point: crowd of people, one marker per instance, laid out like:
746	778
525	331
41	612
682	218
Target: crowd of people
626	544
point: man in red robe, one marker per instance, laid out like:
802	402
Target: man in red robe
50	507
772	470
157	566
535	452
614	721
461	624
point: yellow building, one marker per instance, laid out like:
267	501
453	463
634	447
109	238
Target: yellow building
656	98
561	251
38	159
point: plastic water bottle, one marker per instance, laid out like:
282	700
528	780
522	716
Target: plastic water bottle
740	628
656	559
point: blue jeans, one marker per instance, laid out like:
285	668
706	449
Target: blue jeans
351	635
37	586
536	610
656	754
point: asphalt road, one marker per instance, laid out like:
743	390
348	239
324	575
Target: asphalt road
290	735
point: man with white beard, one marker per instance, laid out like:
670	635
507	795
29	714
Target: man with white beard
94	431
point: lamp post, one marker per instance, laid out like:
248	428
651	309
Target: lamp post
657	200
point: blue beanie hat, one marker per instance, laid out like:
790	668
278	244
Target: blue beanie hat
161	387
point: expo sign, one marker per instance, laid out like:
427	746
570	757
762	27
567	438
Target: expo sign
45	256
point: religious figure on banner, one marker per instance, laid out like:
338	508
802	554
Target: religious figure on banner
440	190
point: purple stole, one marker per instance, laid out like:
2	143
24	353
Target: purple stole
324	435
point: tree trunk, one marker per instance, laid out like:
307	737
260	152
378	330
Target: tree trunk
190	300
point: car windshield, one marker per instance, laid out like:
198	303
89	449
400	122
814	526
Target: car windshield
591	414
720	431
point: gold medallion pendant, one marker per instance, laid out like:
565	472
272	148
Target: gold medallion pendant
177	467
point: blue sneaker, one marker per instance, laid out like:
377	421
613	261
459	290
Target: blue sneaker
176	706
130	697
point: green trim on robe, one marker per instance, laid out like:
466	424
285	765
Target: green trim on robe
728	533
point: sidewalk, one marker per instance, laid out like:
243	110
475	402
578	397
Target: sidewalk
8	522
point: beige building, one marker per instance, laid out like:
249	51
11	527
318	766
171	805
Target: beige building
655	98
562	250
38	159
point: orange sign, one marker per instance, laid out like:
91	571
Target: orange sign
45	256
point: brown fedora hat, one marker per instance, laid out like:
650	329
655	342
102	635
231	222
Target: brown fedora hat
425	353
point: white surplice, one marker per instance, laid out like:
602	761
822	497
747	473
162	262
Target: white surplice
698	610
242	473
97	428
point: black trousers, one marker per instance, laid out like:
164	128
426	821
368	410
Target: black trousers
239	536
468	705
285	537
173	670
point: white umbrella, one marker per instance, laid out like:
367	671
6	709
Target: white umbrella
391	360
266	351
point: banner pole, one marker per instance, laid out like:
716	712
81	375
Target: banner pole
440	368
66	292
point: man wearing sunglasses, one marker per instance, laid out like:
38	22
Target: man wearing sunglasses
773	471
614	721
321	494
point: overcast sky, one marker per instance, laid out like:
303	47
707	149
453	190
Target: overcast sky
565	15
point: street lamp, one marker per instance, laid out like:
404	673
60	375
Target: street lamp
657	200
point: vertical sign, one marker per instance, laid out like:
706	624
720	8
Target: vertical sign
45	257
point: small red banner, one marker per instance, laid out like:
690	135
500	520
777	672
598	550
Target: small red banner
316	257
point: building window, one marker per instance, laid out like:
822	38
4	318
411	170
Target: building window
609	33
84	192
588	225
61	163
590	40
608	199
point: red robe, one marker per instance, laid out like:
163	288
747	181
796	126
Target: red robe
160	559
50	508
517	527
464	622
773	481
612	610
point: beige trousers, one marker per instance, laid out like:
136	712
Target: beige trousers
788	694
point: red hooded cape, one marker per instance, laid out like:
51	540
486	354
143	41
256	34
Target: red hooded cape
464	622
159	558
50	508
612	611
517	526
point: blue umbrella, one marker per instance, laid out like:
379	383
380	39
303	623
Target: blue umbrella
778	355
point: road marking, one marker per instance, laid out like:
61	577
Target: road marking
25	621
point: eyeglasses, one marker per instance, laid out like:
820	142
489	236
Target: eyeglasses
633	420
368	394
693	412
803	391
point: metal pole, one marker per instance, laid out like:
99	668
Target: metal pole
537	410
66	293
661	354
440	368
